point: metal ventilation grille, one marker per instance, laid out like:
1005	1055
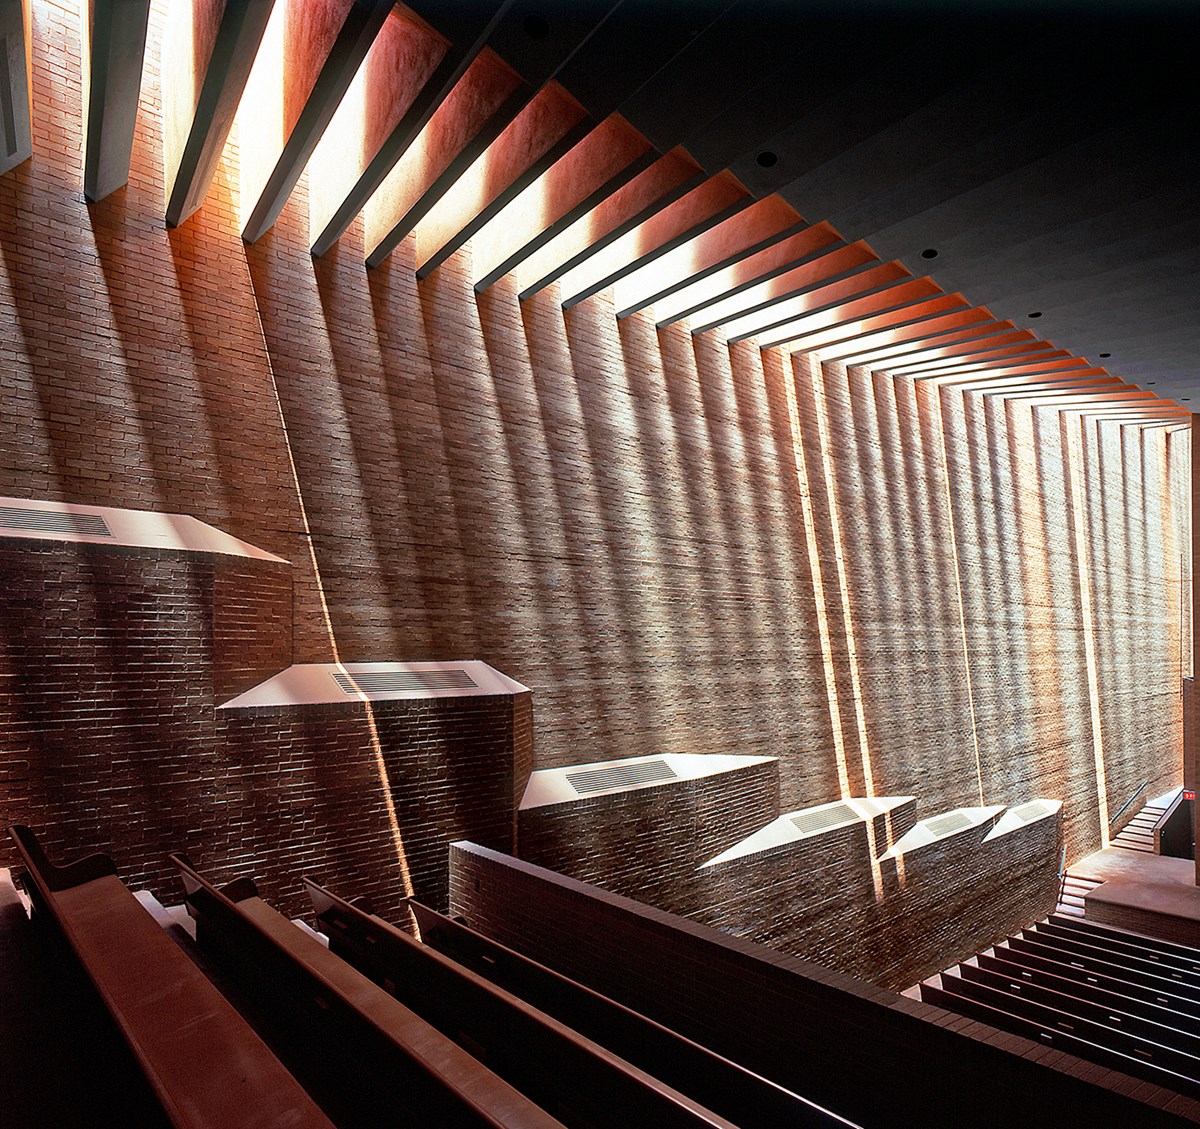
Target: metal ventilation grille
1027	813
943	825
404	681
51	521
809	821
620	776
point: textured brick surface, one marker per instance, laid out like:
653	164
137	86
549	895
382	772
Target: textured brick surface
647	843
679	546
112	743
878	1058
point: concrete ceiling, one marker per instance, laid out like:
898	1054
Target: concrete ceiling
1047	153
775	170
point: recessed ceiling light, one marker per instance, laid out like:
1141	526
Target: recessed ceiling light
1106	354
1149	382
1036	314
767	159
929	253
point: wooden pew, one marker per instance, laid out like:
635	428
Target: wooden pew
1076	1004
1091	988
1054	964
1089	945
204	1063
372	1060
1185	955
1061	1040
1129	944
723	1086
546	1059
1184	1068
1026	942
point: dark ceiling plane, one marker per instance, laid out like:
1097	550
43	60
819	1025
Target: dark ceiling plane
942	191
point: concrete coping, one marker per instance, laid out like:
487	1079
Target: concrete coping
37	520
944	826
352	683
807	823
1033	811
578	782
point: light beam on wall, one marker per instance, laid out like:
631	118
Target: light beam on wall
1081	539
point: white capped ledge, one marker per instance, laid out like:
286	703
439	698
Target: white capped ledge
1033	811
307	684
38	520
807	823
576	782
943	826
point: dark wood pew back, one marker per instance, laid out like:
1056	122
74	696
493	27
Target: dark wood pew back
370	1059
205	1064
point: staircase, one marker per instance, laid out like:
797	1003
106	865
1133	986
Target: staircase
1074	888
1121	1000
1138	833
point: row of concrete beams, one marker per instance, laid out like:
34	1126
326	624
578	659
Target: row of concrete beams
552	189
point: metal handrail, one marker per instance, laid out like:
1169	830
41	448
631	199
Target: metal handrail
1136	793
1062	875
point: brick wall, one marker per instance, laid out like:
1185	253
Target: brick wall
872	1056
111	741
680	546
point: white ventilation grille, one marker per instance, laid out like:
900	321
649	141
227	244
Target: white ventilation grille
946	824
809	821
404	681
1027	813
53	521
620	776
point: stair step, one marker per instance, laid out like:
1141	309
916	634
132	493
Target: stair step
1070	911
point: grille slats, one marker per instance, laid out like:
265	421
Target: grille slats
809	821
1027	813
945	824
619	776
53	521
404	681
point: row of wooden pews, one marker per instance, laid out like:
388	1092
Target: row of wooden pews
1124	1001
263	1026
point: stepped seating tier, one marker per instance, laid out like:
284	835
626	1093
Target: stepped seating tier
1125	1001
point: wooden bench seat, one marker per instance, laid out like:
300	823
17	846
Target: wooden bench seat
372	1060
723	1086
1075	1004
205	1064
546	1059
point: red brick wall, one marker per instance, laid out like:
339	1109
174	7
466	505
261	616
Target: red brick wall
624	519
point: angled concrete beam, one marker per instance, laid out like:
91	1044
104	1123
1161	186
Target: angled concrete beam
981	362
362	24
1029	383
1017	367
117	34
16	132
670	178
863	351
548	127
855	332
467	27
605	161
687	217
534	48
751	280
752	230
792	302
947	344
238	38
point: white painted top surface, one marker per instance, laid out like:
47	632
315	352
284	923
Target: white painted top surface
551	785
141	529
1032	811
314	684
921	835
784	830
